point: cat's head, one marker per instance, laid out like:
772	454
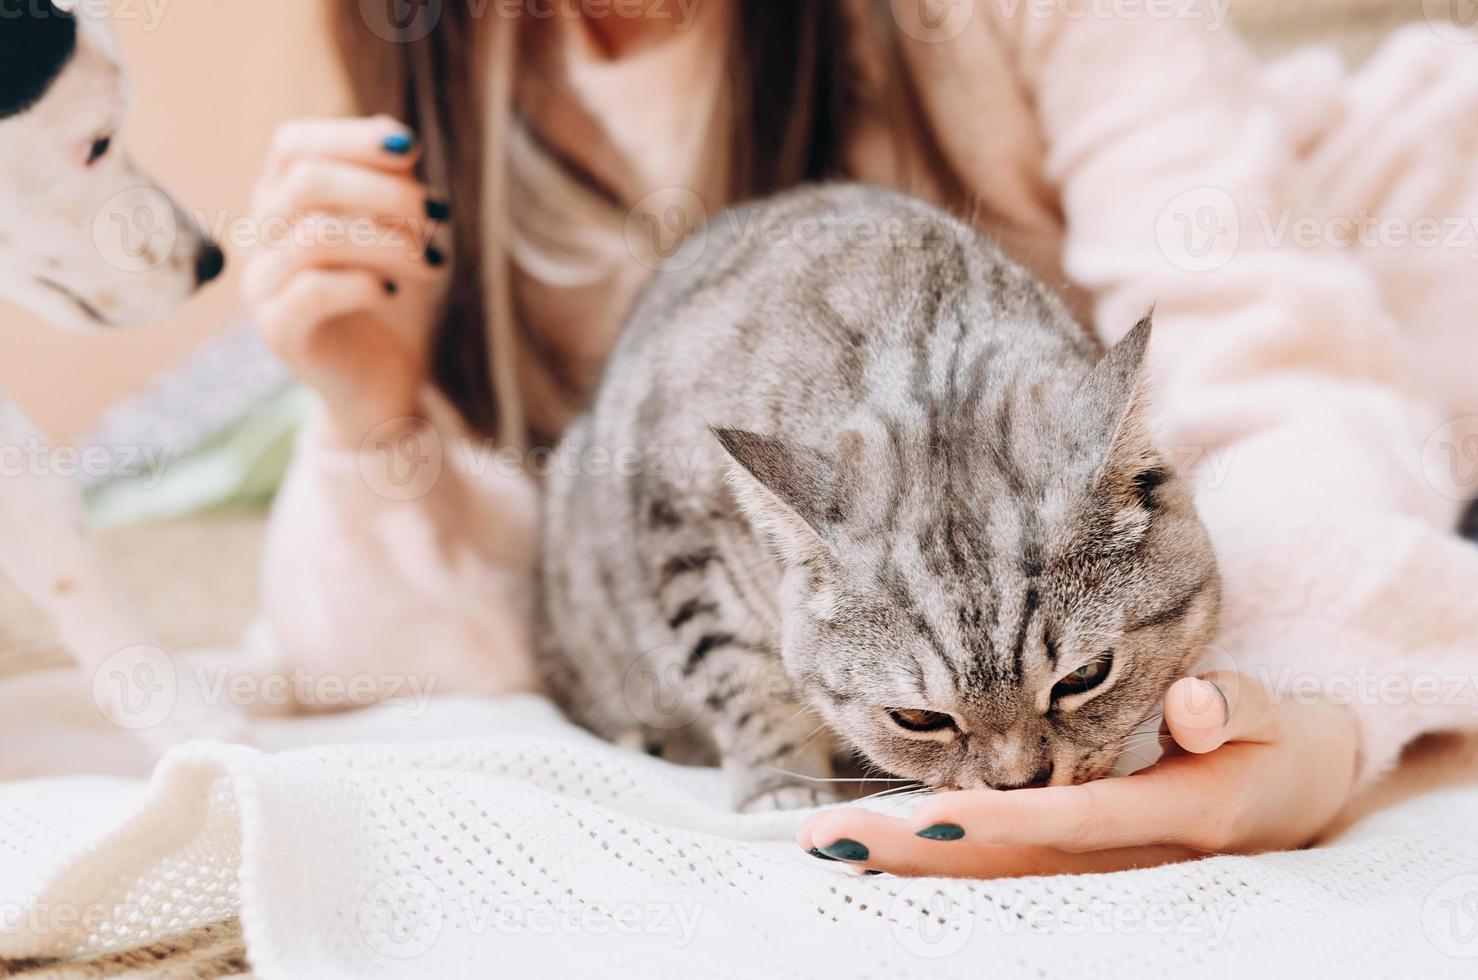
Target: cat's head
996	597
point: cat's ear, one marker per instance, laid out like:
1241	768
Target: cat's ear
785	489
1117	380
1132	469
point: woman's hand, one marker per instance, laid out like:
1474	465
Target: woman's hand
345	279
1254	775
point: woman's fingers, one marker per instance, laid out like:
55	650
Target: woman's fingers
1203	714
323	242
1127	812
1006	861
344	228
314	297
334	187
870	841
1191	801
378	142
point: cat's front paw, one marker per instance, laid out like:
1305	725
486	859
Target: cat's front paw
789	797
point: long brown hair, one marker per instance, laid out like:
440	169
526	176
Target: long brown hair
793	89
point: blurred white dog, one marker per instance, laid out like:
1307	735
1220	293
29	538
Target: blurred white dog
88	242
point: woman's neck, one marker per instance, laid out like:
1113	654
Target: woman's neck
621	28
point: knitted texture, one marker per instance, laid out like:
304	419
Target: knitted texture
547	850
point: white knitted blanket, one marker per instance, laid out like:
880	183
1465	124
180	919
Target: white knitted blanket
532	847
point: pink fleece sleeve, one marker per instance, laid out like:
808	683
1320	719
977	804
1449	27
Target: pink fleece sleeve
409	561
1288	370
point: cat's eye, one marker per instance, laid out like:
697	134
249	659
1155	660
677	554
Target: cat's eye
1085	678
919	720
99	149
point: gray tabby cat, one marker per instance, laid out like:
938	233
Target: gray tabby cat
879	500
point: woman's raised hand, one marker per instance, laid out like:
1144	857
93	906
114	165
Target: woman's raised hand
345	276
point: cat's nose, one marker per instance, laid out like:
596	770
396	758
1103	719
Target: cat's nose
1042	777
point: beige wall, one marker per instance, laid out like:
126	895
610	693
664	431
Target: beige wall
213	78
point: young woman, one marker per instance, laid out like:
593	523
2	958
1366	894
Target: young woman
508	157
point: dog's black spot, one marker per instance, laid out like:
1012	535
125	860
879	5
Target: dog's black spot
36	42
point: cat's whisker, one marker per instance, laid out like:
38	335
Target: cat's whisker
811	736
1140	743
829	779
1142	760
893	804
896	793
799	711
1140	738
912	786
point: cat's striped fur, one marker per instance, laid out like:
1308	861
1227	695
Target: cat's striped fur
873	482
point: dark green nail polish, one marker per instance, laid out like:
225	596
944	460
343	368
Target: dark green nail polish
434	256
846	850
399	143
942	831
438	210
817	854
